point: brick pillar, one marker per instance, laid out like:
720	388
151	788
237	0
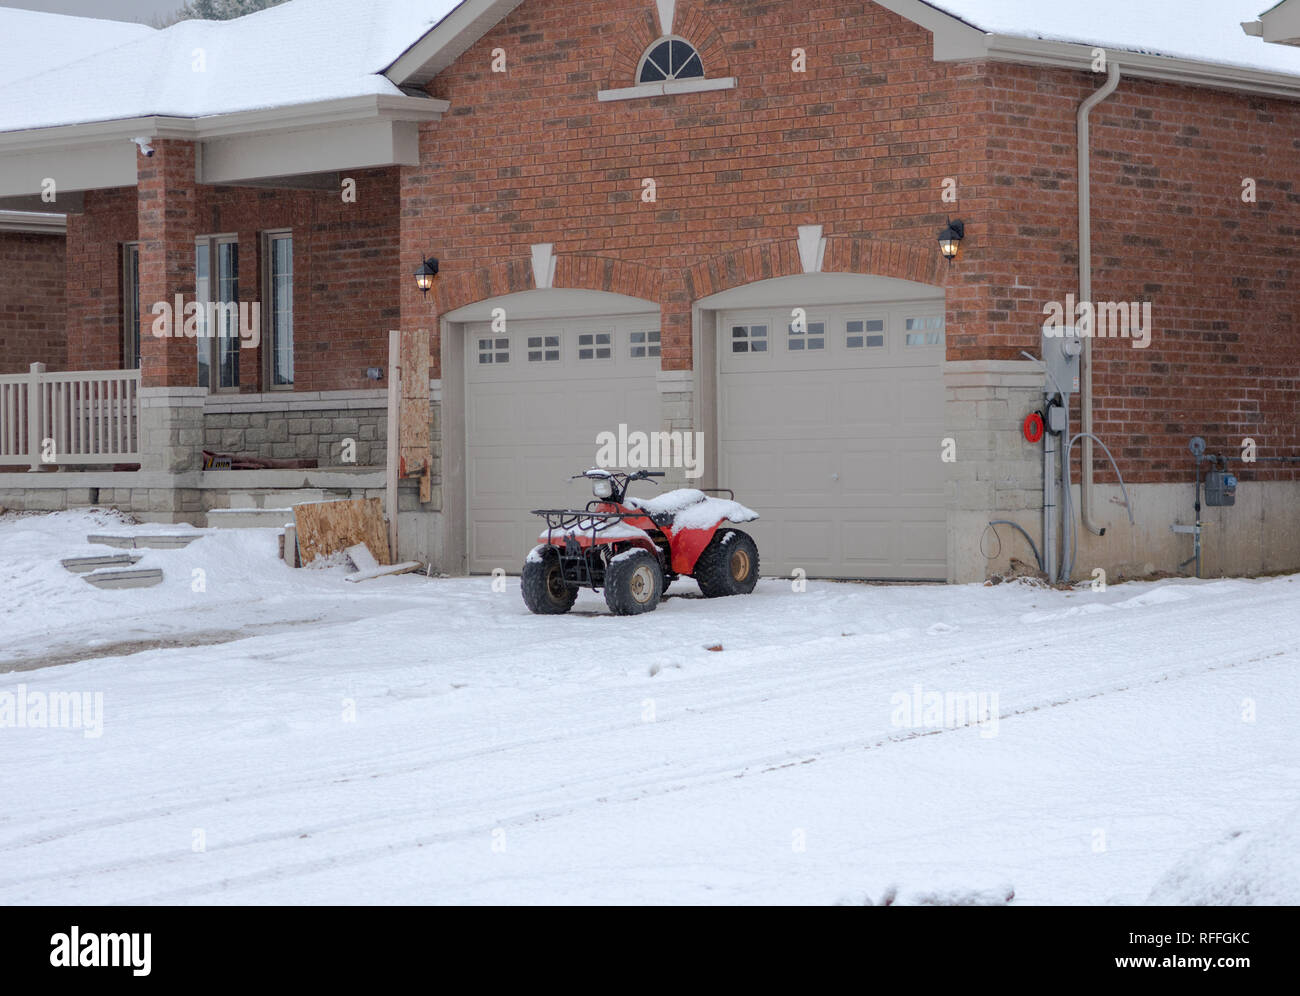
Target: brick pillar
171	404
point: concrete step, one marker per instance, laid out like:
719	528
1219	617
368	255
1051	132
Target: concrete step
273	498
249	518
84	565
140	577
162	542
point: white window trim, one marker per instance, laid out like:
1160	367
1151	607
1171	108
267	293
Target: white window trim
666	88
213	242
268	303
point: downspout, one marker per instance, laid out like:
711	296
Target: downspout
1085	294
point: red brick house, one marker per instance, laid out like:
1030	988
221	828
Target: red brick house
708	217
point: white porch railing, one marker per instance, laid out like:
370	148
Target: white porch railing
70	417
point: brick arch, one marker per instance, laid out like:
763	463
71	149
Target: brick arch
844	254
573	271
689	22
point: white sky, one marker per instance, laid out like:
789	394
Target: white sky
117	10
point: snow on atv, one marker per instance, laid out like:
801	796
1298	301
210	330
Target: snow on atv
634	548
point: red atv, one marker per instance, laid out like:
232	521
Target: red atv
634	549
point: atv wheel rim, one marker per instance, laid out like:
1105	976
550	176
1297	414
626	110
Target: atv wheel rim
739	565
642	585
555	584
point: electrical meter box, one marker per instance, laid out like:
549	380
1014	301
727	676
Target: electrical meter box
1220	488
1061	349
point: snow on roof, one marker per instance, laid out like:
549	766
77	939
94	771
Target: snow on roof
296	53
1200	30
35	42
60	70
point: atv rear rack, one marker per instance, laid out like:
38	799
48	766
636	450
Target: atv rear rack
576	568
568	519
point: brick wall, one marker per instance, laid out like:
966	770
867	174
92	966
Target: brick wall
31	302
346	274
861	144
1169	227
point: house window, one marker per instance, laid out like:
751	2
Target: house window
277	298
131	306
216	290
670	59
644	344
811	336
749	338
926	331
543	348
595	346
494	350
864	333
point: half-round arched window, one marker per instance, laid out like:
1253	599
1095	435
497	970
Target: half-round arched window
669	59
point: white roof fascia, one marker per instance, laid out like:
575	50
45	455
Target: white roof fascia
956	41
347	110
1067	55
28	221
1281	25
448	40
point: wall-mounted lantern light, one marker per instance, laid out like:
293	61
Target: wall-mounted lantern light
950	239
425	275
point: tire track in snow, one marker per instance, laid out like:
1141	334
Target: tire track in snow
637	791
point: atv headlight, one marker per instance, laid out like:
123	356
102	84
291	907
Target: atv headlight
601	487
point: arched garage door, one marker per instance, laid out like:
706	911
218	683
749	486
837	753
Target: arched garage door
537	396
833	434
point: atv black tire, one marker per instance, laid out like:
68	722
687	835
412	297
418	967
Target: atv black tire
634	583
543	586
728	566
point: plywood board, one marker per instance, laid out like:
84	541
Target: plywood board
414	411
326	527
409	567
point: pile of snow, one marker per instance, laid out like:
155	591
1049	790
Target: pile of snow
692	509
298	52
1255	868
1201	30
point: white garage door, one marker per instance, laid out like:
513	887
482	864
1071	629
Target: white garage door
833	435
536	399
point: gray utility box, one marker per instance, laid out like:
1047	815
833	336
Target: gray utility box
1220	488
1061	349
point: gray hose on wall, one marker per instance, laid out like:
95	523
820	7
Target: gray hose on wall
1069	546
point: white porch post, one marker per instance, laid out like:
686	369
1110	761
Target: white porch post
35	418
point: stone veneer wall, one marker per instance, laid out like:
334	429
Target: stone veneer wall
306	434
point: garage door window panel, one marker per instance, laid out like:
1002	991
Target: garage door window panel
806	337
543	349
643	345
595	346
749	338
923	330
493	350
864	333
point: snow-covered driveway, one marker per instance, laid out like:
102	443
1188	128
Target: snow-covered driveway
426	740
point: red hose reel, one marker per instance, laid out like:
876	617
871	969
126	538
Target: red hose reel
1033	427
